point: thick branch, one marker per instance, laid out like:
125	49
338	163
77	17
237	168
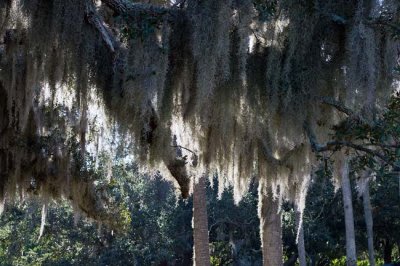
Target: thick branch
177	168
315	146
338	105
173	159
337	144
94	19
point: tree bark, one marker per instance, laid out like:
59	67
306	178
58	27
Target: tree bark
300	240
369	224
348	214
200	224
271	230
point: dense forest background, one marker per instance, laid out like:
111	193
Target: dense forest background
158	227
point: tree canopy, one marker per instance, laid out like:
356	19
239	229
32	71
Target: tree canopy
241	88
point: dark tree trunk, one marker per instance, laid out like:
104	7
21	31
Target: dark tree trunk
313	260
387	252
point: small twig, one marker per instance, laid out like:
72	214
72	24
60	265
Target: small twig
181	147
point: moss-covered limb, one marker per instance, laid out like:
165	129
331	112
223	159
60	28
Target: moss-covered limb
177	168
136	10
171	156
94	19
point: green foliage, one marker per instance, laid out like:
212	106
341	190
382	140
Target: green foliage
223	254
385	196
234	229
342	262
323	221
19	243
156	228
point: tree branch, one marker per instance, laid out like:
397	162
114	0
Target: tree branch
94	19
181	147
356	147
315	146
338	144
177	168
336	104
172	158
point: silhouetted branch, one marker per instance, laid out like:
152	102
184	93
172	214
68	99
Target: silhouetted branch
338	105
94	19
338	144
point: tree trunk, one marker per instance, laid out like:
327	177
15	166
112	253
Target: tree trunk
313	260
369	224
271	230
200	224
348	214
387	252
300	239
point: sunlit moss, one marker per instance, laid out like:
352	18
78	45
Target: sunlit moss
193	83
